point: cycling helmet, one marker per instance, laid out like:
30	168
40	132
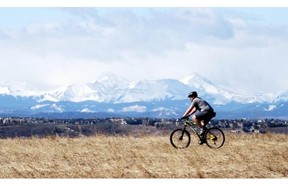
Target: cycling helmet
193	94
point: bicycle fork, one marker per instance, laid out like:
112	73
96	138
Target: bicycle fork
183	129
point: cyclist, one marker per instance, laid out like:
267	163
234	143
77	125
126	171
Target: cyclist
204	116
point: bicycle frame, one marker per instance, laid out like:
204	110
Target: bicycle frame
192	126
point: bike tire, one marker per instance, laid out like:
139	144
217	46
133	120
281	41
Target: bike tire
180	138
214	138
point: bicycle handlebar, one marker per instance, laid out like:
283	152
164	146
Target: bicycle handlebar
185	117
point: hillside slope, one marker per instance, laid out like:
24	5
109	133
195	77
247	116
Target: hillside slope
242	156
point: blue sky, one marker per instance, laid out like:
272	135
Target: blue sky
21	16
242	48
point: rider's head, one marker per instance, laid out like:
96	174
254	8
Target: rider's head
192	95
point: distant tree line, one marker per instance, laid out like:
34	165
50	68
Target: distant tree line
41	127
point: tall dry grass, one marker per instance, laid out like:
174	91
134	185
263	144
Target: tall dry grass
242	156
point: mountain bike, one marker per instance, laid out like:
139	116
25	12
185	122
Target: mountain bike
213	137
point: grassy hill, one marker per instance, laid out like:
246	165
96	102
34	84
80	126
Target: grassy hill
242	156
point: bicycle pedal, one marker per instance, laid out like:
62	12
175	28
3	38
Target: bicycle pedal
201	142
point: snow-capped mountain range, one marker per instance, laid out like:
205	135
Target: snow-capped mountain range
111	88
111	91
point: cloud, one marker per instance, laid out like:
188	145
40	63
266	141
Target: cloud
148	43
108	35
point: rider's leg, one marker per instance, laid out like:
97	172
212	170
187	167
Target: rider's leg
200	119
201	125
204	117
197	121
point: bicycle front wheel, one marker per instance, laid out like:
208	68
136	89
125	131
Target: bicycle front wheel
214	138
180	138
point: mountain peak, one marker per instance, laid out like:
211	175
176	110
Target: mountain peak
108	76
4	90
196	78
112	81
17	89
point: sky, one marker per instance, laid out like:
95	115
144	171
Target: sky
240	48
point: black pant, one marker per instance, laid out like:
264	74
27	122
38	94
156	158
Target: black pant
205	116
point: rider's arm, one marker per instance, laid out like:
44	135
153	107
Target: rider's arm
191	110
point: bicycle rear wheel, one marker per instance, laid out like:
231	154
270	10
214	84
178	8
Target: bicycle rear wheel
180	138
214	138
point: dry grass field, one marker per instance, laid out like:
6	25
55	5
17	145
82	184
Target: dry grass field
242	156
